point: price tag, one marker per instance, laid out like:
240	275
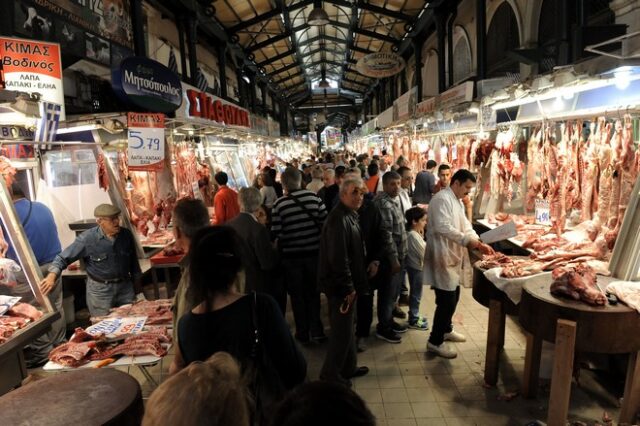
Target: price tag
543	212
196	191
146	141
7	302
114	327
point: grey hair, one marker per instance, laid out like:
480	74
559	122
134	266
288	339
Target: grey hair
250	199
330	172
317	172
190	216
349	182
291	179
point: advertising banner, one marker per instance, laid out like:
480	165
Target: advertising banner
146	141
106	19
147	84
404	106
209	108
33	67
380	65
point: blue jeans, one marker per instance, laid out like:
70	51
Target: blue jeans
102	297
415	295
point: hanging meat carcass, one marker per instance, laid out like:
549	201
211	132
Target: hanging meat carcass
616	175
590	176
605	182
535	168
557	181
103	175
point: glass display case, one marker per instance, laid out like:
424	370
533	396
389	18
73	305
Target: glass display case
625	261
25	313
227	159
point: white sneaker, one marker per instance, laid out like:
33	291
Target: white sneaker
454	336
443	350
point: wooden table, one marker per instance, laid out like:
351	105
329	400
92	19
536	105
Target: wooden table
488	295
576	326
94	396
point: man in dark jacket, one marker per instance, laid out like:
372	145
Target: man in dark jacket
259	256
342	275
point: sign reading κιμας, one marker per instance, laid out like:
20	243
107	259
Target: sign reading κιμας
33	67
380	65
146	141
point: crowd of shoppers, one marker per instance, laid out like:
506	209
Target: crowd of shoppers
356	231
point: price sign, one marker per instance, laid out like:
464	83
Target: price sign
196	191
146	141
114	327
7	302
543	212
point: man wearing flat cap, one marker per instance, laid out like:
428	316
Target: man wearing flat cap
109	254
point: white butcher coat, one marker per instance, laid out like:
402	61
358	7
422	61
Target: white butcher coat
448	233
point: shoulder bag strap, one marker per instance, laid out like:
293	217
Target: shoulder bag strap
26	219
306	211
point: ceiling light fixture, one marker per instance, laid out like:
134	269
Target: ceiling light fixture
318	16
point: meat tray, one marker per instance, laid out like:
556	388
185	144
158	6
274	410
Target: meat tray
123	361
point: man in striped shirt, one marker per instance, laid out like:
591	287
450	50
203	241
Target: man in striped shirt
297	220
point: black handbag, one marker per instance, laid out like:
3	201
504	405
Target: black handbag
267	387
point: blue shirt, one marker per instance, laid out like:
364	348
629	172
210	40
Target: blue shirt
105	258
40	229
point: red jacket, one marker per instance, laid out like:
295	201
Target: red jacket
226	205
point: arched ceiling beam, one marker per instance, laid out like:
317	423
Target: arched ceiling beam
276	58
367	33
288	77
268	42
283	69
268	15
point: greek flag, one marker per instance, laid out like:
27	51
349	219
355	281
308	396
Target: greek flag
47	126
201	81
173	63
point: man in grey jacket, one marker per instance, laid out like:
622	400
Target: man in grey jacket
342	276
394	236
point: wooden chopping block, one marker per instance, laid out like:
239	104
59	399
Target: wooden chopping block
91	396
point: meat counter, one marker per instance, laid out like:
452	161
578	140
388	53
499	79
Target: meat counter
20	321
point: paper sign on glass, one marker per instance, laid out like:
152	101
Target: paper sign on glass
146	141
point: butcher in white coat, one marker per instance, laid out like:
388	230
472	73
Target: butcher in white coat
449	234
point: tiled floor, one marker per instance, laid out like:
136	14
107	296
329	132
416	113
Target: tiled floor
408	387
405	386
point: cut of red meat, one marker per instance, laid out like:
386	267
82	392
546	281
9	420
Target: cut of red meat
25	310
578	283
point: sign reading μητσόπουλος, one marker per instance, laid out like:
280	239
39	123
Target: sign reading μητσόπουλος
147	84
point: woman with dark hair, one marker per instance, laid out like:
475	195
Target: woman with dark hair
226	320
323	403
267	190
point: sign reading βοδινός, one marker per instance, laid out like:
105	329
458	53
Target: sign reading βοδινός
33	67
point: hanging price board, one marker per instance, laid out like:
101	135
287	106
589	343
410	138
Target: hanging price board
146	141
196	191
543	212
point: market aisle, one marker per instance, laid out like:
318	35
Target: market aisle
407	387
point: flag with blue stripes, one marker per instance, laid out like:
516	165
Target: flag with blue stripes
201	81
47	126
173	63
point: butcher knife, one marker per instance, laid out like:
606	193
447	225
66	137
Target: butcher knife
502	232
